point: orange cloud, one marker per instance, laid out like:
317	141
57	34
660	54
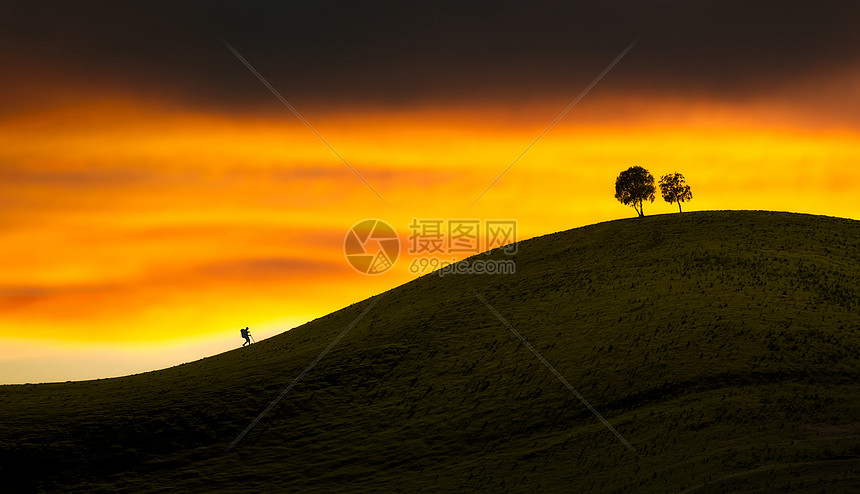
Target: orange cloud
138	225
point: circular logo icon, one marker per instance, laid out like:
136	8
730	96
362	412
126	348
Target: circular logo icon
371	247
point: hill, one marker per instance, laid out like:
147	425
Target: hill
724	346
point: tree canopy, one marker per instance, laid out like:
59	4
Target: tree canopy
633	187
675	189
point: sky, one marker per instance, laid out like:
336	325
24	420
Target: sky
156	196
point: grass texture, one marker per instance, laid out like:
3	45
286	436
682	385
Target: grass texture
724	346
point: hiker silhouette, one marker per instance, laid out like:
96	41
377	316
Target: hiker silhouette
247	335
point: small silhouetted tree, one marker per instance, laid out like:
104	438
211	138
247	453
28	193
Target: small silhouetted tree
675	189
634	186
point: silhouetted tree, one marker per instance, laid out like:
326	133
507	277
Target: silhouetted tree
634	186
675	189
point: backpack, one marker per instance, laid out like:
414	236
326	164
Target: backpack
243	332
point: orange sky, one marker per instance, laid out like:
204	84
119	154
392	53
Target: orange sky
141	234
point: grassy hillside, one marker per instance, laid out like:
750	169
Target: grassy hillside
724	346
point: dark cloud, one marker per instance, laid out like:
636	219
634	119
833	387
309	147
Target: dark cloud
91	178
268	268
343	53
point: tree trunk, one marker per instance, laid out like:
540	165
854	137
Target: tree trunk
679	206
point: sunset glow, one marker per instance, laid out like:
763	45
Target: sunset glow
139	227
151	213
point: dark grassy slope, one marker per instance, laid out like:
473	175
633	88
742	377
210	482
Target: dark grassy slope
722	345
